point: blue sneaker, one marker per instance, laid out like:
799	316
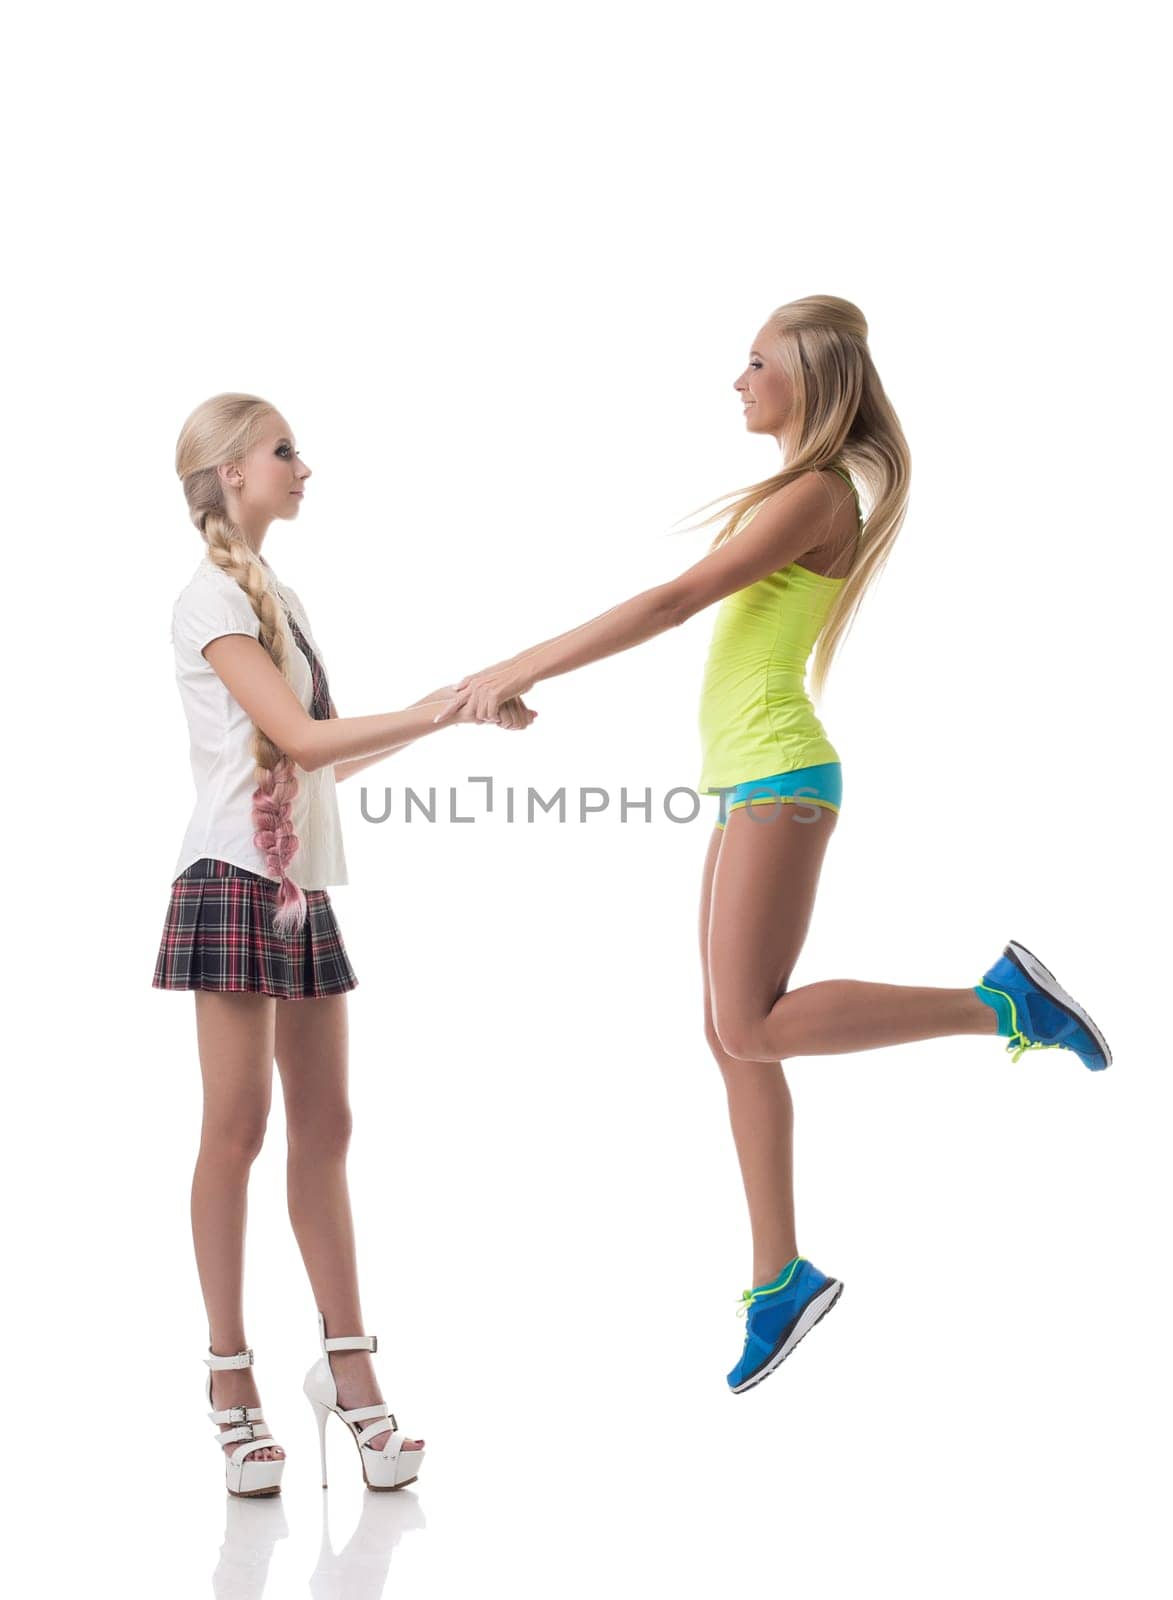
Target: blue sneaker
1035	1013
778	1314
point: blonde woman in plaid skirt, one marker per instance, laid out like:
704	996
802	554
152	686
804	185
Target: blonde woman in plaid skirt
250	929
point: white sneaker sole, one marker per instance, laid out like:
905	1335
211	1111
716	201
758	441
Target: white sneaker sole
815	1309
1045	979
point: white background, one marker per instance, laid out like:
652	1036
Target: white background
499	266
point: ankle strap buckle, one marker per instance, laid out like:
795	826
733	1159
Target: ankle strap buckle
242	1358
238	1414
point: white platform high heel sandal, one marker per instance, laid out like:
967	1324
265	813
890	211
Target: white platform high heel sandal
242	1476
392	1467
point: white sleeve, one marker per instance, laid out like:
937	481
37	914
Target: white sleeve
207	610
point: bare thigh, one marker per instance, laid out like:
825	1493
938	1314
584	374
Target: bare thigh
312	1057
765	877
707	874
235	1038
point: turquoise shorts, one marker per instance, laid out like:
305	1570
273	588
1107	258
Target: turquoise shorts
812	786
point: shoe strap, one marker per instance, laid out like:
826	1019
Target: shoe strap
349	1341
372	1430
237	1414
353	1341
231	1435
244	1450
359	1412
242	1358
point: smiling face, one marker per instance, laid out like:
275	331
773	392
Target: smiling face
766	390
268	482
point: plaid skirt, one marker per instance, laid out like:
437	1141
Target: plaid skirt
218	934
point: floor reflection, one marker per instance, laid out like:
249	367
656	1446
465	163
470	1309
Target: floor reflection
359	1570
356	1572
251	1528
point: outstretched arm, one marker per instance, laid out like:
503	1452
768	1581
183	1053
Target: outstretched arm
790	524
255	683
514	714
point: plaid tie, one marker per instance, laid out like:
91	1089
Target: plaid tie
321	706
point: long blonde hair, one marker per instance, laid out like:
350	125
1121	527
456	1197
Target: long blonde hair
221	430
840	415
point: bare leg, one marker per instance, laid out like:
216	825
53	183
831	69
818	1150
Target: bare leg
761	1115
235	1035
763	893
751	934
842	1015
311	1046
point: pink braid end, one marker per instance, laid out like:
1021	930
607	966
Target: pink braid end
275	838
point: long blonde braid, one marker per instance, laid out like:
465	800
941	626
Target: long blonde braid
223	429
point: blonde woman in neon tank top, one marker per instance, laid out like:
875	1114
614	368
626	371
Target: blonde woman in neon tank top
787	571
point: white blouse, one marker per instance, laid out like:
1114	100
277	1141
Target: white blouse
221	732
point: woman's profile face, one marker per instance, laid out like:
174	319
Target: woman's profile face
766	391
273	474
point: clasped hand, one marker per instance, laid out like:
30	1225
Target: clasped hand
493	695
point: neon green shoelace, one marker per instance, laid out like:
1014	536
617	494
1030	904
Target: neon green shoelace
1017	1037
1030	1044
749	1296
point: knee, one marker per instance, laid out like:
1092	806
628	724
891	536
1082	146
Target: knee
713	1040
324	1134
741	1038
740	1033
238	1140
732	1040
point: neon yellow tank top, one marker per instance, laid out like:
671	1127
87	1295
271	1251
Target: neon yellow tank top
756	718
